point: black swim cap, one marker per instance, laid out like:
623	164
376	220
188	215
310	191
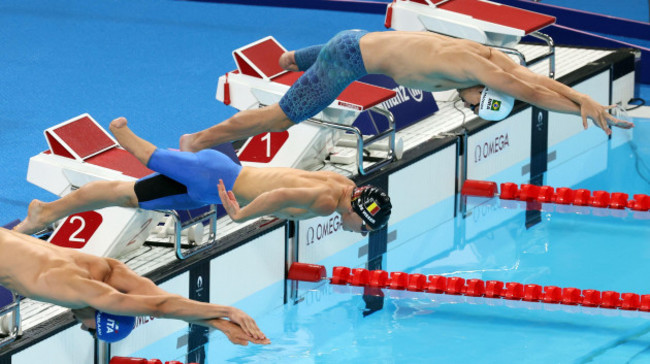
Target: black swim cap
372	204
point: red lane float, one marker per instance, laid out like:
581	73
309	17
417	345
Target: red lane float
552	294
127	360
378	278
398	280
514	291
359	277
438	284
561	195
455	285
475	287
591	298
479	188
532	292
307	272
493	289
417	282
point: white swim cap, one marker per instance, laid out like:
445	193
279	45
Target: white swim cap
495	105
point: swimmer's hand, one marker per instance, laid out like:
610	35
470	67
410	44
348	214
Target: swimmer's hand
590	109
229	202
236	334
246	322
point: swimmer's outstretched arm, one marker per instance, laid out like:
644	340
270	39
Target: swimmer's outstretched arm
242	125
82	292
587	108
233	332
313	201
127	281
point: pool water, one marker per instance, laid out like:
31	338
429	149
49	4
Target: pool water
587	248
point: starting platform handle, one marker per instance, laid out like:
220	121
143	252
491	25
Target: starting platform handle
180	225
15	328
550	54
388	133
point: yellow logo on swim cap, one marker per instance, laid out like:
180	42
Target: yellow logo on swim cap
496	105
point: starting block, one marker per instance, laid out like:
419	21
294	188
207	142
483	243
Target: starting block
493	24
81	151
10	327
189	223
259	80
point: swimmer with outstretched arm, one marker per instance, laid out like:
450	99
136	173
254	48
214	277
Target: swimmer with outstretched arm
188	180
487	80
103	292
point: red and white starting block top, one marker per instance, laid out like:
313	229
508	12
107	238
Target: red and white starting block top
482	21
81	151
259	80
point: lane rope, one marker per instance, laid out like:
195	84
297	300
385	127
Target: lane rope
438	284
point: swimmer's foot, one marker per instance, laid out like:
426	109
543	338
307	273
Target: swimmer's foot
117	124
186	143
135	145
34	222
288	61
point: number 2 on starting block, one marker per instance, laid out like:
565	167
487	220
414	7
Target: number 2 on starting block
77	229
107	232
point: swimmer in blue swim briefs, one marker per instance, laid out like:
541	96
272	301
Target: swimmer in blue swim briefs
186	180
100	289
419	60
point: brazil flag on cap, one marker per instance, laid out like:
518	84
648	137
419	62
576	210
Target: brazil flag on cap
494	105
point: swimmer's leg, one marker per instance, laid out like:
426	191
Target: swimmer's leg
301	59
183	167
242	125
91	196
159	192
306	57
339	63
135	145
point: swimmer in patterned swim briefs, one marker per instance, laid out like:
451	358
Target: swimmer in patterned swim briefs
99	289
191	180
487	80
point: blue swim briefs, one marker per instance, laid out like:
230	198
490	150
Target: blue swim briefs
185	180
330	69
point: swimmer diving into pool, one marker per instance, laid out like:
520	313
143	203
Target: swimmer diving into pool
191	180
101	291
488	81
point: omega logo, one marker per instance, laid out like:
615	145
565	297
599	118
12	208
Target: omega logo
322	230
493	146
416	94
